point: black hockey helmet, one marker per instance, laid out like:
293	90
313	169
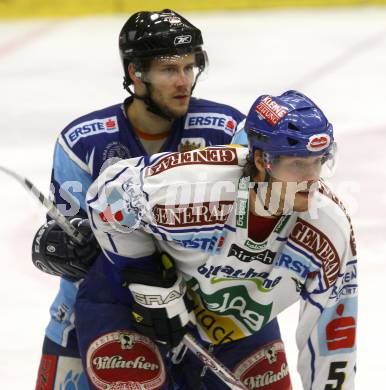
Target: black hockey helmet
148	34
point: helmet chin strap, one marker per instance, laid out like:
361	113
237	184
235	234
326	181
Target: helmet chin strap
152	106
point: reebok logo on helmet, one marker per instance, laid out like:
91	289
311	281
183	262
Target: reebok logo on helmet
182	40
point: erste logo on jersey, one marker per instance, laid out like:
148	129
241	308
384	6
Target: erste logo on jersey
269	110
210	120
294	263
89	128
210	243
317	243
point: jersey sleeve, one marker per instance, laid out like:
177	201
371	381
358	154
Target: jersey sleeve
70	180
118	210
238	132
240	136
326	333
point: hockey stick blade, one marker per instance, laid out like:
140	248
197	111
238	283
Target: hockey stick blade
52	210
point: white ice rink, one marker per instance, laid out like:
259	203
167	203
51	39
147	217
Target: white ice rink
53	71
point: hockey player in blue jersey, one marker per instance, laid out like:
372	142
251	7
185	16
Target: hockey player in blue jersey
162	58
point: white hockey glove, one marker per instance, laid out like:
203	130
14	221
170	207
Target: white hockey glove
161	306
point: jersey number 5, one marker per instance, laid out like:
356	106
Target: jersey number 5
336	375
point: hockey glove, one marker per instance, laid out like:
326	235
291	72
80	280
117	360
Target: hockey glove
55	253
160	305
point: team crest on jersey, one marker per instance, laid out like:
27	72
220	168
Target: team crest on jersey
125	210
89	128
210	120
116	150
188	144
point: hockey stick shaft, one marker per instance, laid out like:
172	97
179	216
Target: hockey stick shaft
52	210
209	360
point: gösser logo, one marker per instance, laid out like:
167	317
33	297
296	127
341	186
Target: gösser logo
318	142
182	40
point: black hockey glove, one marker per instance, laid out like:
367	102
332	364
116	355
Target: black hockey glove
160	307
55	253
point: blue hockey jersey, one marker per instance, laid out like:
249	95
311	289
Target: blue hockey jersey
96	140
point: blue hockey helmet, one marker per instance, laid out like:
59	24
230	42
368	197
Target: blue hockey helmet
288	125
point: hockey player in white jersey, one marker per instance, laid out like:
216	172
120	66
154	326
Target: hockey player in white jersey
162	56
243	233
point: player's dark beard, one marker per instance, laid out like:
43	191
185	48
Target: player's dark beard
170	113
164	108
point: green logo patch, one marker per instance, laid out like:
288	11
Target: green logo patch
236	302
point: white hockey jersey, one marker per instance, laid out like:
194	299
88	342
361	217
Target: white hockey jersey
194	206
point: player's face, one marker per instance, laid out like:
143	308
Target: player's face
296	178
292	182
171	79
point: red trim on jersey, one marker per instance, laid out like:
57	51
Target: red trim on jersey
151	137
47	372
